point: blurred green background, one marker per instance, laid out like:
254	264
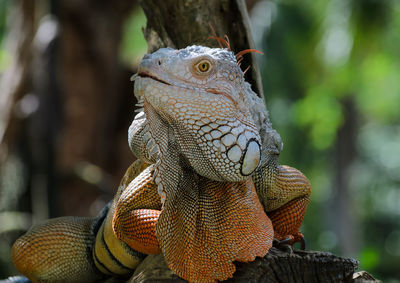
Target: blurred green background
331	76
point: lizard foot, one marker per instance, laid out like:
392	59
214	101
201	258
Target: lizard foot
287	219
290	240
283	245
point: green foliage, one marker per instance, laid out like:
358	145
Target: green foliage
5	57
322	112
379	94
320	54
134	46
369	258
4	9
5	60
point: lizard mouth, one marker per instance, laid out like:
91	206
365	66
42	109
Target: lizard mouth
144	74
147	75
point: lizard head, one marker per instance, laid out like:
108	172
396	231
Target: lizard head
200	92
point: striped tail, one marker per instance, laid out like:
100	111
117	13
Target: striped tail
112	256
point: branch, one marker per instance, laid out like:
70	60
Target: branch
277	266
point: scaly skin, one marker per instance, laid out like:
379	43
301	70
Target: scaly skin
205	201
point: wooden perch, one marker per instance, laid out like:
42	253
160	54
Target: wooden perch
277	266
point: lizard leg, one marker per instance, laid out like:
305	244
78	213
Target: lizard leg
287	220
284	192
136	214
111	255
292	189
137	229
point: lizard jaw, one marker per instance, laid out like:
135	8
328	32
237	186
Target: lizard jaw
151	76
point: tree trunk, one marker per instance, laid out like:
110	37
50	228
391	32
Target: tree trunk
345	220
98	102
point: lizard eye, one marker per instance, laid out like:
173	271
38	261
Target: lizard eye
204	66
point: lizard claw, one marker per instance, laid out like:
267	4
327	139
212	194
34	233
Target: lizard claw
290	240
299	237
283	245
282	242
302	243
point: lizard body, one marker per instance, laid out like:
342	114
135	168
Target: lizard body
204	200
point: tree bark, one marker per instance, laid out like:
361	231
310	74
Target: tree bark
276	266
345	220
14	82
98	102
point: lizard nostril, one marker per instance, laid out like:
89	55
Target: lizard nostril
159	62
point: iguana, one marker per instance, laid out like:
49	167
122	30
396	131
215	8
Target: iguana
205	191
